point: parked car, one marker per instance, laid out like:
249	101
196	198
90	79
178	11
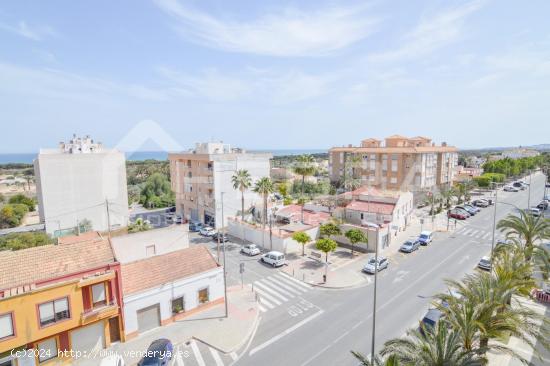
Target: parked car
463	211
510	189
457	214
425	237
195	226
223	237
468	209
276	259
430	320
547	185
543	205
485	263
410	246
159	353
533	211
471	207
250	249
207	231
480	203
519	185
178	219
371	266
112	360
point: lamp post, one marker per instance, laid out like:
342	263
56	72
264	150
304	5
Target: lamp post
374	297
224	267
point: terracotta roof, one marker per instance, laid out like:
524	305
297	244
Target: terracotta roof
374	207
154	271
395	149
396	137
47	262
88	236
294	213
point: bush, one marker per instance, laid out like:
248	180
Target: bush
17	241
12	214
24	200
157	192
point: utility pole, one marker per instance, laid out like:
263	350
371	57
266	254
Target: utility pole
108	217
529	193
224	268
494	223
374	301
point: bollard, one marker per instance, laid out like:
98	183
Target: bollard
304	277
292	272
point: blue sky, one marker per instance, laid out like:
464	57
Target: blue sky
275	74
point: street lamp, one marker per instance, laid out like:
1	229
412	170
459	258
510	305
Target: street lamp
374	297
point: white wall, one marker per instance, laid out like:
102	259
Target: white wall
164	294
73	187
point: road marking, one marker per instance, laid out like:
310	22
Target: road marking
234	356
293	280
265	287
473	233
262	309
286	332
486	235
179	360
197	353
297	289
289	290
400	276
264	294
466	232
216	357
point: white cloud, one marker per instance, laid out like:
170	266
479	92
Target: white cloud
431	33
35	33
289	33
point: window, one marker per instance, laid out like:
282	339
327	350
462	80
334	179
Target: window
6	326
203	295
98	294
47	349
53	311
178	305
393	180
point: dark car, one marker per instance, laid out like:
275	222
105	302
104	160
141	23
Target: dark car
195	226
430	319
467	209
223	237
462	211
159	353
543	205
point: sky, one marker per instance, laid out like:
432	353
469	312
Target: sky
273	74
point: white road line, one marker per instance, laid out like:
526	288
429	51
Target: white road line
473	233
266	303
197	353
216	357
293	281
234	356
265	287
465	232
262	309
286	332
289	291
267	296
179	360
295	286
459	230
486	236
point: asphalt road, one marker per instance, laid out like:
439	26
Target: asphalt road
312	326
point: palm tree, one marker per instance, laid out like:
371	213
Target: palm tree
351	181
390	361
264	187
447	194
528	228
304	167
438	346
241	181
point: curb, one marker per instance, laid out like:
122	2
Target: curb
357	284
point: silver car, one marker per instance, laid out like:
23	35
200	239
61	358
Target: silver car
371	266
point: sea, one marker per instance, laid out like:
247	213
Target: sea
27	158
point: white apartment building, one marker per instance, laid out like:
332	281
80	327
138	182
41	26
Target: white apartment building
520	153
201	176
81	180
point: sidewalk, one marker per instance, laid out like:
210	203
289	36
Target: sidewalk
520	347
343	270
210	327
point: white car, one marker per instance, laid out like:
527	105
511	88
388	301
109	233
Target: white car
250	249
510	189
207	231
371	266
276	259
426	237
480	203
485	263
533	211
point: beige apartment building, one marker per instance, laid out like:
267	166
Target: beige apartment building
399	163
201	175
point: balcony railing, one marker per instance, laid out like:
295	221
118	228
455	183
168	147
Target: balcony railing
100	311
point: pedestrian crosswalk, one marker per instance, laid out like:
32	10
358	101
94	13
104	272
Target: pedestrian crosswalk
196	353
278	289
478	233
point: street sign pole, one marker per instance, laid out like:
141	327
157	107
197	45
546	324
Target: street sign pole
241	271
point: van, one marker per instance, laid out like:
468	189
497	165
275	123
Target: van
276	259
425	237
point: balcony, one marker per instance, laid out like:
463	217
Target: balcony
99	312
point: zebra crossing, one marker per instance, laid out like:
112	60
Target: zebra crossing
195	353
478	233
278	289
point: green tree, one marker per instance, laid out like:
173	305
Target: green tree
157	192
529	229
84	226
264	187
363	361
304	167
329	229
437	346
302	238
139	225
134	194
2	198
17	241
241	181
326	246
11	215
356	236
23	200
351	179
